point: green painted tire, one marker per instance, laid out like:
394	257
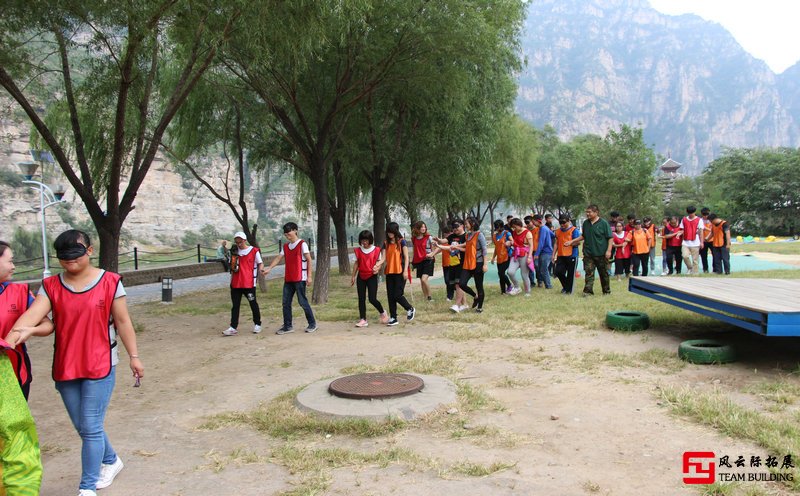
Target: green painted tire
706	351
626	320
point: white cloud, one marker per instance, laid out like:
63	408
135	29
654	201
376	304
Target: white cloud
767	29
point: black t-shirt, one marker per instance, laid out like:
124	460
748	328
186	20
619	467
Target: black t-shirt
456	239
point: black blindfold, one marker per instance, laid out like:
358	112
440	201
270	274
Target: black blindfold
71	252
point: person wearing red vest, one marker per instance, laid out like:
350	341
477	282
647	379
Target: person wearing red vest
720	245
366	267
622	251
671	235
89	312
422	260
245	265
20	458
692	232
296	277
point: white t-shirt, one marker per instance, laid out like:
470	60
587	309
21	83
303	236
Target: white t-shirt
696	240
303	253
247	251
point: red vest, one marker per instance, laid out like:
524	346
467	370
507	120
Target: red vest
690	228
366	262
675	240
83	345
245	278
13	303
420	248
294	262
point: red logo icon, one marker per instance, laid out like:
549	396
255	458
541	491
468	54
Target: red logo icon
699	467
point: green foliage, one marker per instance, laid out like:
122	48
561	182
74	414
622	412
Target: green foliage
686	191
761	188
207	236
10	178
27	245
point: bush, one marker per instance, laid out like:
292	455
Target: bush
207	236
27	245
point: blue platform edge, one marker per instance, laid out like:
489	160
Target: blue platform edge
765	323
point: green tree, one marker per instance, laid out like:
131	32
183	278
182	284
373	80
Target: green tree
762	187
105	115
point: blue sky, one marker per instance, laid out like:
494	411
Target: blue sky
767	29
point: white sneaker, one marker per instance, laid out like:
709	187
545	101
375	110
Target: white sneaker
463	307
455	308
256	329
230	331
86	492
108	472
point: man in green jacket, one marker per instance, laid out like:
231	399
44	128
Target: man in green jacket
597	242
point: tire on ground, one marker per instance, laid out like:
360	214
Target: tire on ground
626	320
705	351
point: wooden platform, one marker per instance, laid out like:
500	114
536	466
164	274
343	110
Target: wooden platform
767	306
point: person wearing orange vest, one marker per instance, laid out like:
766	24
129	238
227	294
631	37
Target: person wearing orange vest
20	457
706	234
640	248
422	260
474	264
692	233
566	256
720	245
297	275
647	225
394	259
89	312
366	267
245	264
502	254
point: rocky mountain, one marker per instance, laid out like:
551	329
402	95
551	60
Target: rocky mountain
592	65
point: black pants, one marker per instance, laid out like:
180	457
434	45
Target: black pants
622	266
451	288
370	286
640	259
505	282
478	294
565	272
675	258
236	300
721	259
704	256
395	286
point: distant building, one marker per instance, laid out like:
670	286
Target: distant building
670	167
666	180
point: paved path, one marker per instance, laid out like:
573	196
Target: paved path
152	292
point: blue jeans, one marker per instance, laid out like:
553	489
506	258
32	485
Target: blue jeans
289	290
542	269
86	401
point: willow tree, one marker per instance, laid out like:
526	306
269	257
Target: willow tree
110	77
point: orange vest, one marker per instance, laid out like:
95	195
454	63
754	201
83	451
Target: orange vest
471	252
500	248
535	242
394	258
640	242
561	238
446	258
652	231
718	235
663	239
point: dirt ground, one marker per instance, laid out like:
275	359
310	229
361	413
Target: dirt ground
613	433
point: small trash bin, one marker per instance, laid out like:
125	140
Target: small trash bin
166	289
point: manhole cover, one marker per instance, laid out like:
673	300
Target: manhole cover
375	386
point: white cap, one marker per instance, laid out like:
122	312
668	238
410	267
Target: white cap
240	234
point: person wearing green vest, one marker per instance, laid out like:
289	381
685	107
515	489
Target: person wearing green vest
597	242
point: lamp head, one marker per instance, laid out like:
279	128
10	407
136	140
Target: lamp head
28	169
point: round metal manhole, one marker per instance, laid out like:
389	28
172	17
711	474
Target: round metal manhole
376	386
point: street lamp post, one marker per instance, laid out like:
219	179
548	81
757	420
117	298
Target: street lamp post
47	198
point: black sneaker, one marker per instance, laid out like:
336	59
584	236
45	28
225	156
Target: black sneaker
284	330
479	310
410	314
392	322
311	328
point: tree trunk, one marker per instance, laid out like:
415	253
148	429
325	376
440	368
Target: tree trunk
109	246
342	251
323	266
380	212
